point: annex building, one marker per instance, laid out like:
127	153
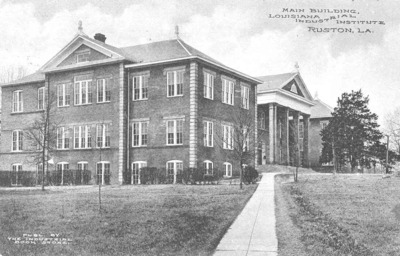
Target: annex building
162	104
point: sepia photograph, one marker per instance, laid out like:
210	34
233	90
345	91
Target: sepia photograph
225	127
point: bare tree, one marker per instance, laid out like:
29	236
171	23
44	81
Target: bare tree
43	133
392	128
237	135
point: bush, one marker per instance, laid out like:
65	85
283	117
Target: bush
250	175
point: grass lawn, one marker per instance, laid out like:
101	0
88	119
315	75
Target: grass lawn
135	220
338	215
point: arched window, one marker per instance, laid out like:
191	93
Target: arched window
173	168
228	169
294	88
208	167
61	168
135	171
103	172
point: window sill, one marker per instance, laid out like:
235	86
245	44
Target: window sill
83	148
208	146
173	145
141	99
86	104
27	112
228	104
208	98
142	146
103	102
175	96
64	106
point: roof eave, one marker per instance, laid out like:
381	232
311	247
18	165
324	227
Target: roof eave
248	78
86	65
21	83
292	95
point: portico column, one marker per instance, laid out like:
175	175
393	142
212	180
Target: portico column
272	132
296	149
285	136
306	120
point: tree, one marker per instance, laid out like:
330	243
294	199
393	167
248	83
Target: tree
43	133
237	136
392	128
351	133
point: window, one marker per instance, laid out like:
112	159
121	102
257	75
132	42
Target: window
16	174
173	168
245	97
82	57
324	124
41	98
208	86
301	136
228	88
246	139
83	90
17	105
62	138
294	88
140	86
208	134
103	135
135	175
83	175
17	137
175	83
63	95
228	169
227	142
261	122
174	132
61	168
104	90
208	167
82	137
103	173
139	134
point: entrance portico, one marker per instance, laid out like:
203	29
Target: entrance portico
284	107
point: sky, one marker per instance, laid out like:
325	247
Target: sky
252	36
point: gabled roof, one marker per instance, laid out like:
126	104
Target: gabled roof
150	53
321	110
278	82
275	81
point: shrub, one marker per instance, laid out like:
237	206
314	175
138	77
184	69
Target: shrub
250	174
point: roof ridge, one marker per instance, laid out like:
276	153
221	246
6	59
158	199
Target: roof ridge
179	41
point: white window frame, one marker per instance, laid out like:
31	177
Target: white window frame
177	88
228	92
17	101
103	170
208	133
246	139
82	135
103	90
85	54
140	131
82	86
16	168
323	124
103	138
82	165
17	139
245	95
301	136
206	165
63	95
176	165
141	91
208	85
63	138
177	138
228	169
227	138
135	171
64	166
41	98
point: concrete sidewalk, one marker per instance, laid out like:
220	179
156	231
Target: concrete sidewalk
253	232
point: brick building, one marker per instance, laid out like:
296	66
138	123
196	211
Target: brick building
160	104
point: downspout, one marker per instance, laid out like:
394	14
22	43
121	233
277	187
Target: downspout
128	133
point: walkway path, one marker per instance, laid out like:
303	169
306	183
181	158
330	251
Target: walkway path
253	232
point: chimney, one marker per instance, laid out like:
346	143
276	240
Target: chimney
100	37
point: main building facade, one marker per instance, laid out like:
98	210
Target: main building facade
162	104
